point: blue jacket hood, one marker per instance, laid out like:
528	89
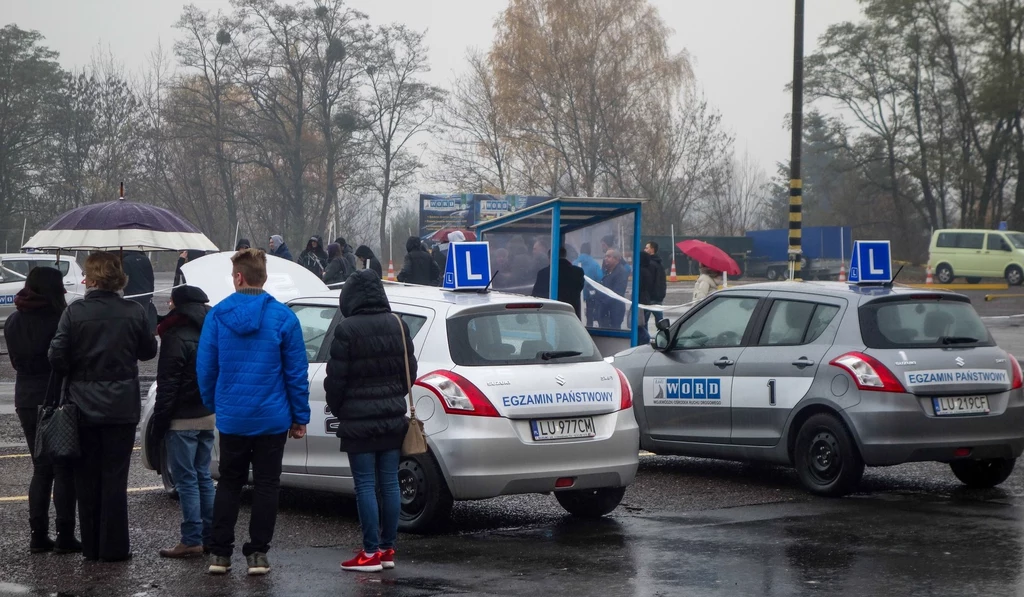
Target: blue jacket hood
243	313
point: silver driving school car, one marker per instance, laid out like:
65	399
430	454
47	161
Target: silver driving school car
830	378
14	269
514	397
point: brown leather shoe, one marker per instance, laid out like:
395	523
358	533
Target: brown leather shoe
182	551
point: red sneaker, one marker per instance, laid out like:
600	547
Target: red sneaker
387	558
363	563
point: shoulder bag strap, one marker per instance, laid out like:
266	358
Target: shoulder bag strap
405	354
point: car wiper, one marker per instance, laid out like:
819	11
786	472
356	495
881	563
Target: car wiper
559	354
958	340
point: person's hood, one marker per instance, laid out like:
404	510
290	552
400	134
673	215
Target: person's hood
346	248
364	294
319	245
29	300
193	314
413	244
333	250
278	240
645	259
242	242
364	252
456	236
243	313
656	259
183	295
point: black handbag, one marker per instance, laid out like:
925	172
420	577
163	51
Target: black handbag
57	431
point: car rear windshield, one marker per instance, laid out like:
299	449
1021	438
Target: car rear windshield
519	337
922	323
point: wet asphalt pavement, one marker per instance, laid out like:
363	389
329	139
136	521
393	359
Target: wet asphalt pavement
686	527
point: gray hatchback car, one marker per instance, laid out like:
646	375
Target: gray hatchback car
830	378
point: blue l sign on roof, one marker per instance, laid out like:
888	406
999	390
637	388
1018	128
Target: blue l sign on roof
871	262
468	266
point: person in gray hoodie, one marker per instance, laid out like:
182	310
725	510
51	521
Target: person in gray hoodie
279	249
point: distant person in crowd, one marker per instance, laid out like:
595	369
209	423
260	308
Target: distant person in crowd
541	255
418	267
183	258
279	249
706	283
141	284
440	258
337	266
501	268
27	334
570	282
252	371
616	278
367	260
592	269
608	243
660	288
647	275
366	388
243	243
180	421
348	253
314	257
99	343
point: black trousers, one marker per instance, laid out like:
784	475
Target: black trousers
47	478
101	481
237	452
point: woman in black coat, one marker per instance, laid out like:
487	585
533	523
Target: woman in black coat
99	343
367	260
366	390
28	333
419	267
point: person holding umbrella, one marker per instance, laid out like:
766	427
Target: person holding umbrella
713	263
706	283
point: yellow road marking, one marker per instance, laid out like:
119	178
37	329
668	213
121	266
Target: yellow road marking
24	498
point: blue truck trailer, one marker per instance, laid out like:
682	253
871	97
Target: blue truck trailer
824	248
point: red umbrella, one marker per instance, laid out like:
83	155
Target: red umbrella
709	256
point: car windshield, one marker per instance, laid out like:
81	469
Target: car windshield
519	337
1017	238
922	323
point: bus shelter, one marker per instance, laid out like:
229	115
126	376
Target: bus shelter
600	235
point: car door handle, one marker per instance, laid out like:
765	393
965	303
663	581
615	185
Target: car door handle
803	362
724	362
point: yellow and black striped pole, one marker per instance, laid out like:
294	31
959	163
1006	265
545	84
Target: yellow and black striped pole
795	183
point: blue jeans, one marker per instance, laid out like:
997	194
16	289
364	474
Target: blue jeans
644	336
371	470
188	458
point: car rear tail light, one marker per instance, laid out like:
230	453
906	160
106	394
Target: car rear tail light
868	373
1018	377
626	391
457	395
961	453
564	482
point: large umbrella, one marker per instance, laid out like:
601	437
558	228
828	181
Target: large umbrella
118	225
286	280
710	256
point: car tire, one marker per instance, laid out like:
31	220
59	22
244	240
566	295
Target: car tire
944	274
426	499
973	280
826	459
165	474
1014	275
983	474
590	503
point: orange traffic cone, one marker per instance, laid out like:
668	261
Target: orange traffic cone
842	273
928	276
391	270
672	273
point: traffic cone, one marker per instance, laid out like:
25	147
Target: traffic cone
672	273
928	276
391	270
842	273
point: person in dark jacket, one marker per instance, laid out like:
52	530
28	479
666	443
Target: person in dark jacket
314	257
180	421
243	243
346	252
570	282
141	283
98	345
279	249
418	268
28	332
367	260
660	288
183	258
337	266
646	291
616	278
366	387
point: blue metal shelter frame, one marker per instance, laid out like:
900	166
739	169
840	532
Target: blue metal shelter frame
562	215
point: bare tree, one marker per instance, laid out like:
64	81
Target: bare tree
735	199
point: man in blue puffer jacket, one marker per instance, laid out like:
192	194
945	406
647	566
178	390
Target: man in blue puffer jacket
252	373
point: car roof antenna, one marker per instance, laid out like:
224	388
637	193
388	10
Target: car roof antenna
487	288
893	281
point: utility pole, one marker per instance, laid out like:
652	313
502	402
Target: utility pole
795	182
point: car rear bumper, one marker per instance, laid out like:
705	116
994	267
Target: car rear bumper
484	457
897	428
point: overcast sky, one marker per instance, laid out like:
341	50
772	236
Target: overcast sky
742	49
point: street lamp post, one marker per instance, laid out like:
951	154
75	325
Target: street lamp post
795	183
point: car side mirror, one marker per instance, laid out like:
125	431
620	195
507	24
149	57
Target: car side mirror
663	324
660	341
